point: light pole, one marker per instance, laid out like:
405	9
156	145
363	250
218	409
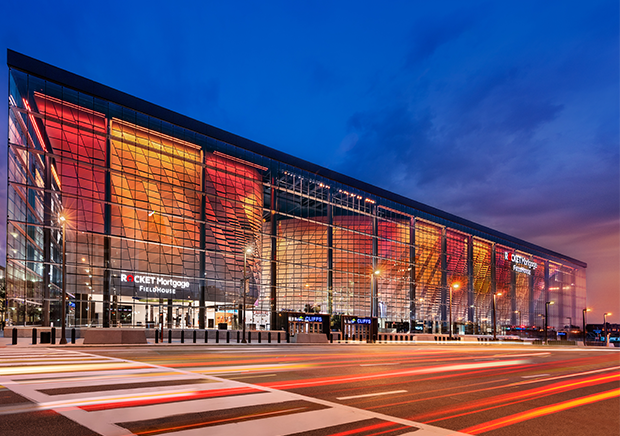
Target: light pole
570	326
605	326
547	304
495	295
373	293
247	251
454	286
63	307
583	313
520	322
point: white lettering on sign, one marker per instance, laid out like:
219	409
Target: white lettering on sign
521	264
171	284
157	290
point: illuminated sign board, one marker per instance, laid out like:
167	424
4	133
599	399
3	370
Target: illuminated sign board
359	321
521	264
154	284
307	318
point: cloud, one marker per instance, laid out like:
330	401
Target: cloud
510	141
429	34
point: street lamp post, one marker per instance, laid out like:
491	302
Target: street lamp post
63	310
605	326
373	293
455	286
520	322
495	295
583	313
245	280
547	304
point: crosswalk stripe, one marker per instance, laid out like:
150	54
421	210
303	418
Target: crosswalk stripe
101	410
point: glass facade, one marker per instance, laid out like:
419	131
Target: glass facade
162	220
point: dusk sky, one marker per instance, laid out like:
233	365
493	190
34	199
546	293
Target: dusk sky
502	112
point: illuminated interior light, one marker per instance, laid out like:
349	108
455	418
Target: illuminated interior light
55	174
34	124
245	162
66	103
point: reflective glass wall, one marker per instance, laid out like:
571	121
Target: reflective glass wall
166	226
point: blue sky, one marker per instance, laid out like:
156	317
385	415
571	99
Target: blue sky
504	112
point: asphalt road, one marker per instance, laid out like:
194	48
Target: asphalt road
347	389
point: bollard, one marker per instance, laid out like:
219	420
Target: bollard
156	336
53	336
73	335
206	336
346	339
182	336
228	336
217	336
170	336
249	337
14	336
238	336
269	337
259	339
278	337
194	336
288	338
331	338
34	336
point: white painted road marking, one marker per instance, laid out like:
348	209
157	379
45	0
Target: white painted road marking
371	395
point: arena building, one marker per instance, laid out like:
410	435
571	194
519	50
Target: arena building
172	222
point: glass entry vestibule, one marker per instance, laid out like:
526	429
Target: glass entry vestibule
359	328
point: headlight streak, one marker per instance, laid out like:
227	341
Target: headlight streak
453	394
249	369
320	359
296	384
52	364
118	376
486	372
541	411
558	377
67	368
370	428
207	367
478	390
106	403
512	398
